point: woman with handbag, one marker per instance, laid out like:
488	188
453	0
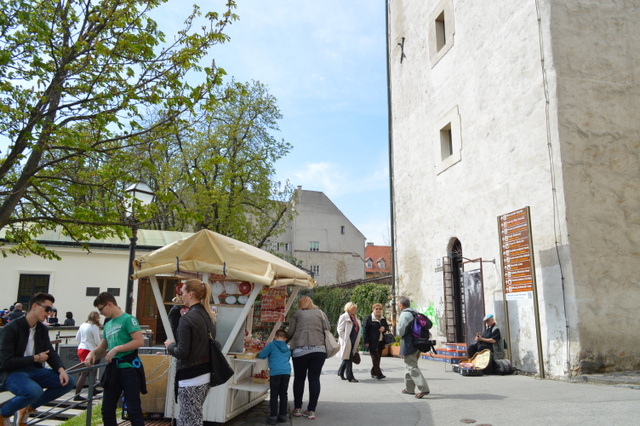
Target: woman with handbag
192	351
375	325
349	338
308	352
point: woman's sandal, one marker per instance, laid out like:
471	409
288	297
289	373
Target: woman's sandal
407	392
422	395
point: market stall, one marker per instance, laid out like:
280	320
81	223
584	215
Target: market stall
238	273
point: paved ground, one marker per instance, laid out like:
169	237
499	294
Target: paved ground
456	400
611	399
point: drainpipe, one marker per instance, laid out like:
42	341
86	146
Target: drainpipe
394	312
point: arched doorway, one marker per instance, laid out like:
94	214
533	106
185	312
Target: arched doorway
454	294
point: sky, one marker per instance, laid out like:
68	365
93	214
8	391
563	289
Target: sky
324	61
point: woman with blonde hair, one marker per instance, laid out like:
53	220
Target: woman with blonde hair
349	338
192	351
306	334
88	336
375	325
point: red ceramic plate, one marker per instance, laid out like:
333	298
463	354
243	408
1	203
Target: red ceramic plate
244	287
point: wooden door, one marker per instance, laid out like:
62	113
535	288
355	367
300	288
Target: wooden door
147	311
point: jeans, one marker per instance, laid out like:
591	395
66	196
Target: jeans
307	364
28	384
278	384
126	380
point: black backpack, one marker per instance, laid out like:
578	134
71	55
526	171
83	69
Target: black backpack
420	332
503	366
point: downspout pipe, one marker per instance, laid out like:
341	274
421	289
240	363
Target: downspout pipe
394	312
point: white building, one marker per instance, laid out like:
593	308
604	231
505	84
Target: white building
80	275
497	106
323	239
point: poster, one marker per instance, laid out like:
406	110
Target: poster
474	304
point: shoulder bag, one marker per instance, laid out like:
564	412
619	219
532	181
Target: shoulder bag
221	371
389	339
331	344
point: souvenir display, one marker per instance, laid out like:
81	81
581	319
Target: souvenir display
244	287
217	288
273	304
231	287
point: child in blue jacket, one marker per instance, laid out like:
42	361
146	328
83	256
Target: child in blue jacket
280	371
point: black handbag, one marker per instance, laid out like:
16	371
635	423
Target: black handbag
389	339
356	358
221	371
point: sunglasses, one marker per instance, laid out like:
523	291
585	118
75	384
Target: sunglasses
47	309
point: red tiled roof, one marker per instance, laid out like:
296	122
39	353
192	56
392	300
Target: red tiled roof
376	254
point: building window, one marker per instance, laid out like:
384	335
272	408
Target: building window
441	35
287	246
369	264
342	230
315	270
448	143
441	31
114	291
92	291
382	264
314	245
31	284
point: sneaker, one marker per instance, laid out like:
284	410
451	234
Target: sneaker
23	415
5	421
79	398
272	420
297	412
309	414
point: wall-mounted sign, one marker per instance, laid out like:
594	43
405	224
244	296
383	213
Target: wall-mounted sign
516	252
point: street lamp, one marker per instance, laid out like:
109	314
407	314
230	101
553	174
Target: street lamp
144	195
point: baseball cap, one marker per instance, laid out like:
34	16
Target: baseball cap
486	317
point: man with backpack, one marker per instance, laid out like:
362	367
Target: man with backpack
413	377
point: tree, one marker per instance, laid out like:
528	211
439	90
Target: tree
219	172
76	79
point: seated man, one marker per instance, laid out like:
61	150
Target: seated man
24	348
487	339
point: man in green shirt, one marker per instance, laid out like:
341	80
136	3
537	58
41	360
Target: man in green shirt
121	338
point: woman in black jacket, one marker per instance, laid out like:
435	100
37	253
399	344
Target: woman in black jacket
374	327
192	351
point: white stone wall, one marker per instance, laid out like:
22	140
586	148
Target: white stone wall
510	157
596	49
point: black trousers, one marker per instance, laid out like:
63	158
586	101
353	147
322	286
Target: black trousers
375	349
127	382
279	385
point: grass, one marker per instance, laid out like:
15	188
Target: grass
96	417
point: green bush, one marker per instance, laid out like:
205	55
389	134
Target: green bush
332	300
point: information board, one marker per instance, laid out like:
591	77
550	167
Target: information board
515	241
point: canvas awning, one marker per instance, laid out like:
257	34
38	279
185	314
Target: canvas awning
209	252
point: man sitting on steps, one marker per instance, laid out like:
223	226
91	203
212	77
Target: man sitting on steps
24	348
